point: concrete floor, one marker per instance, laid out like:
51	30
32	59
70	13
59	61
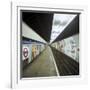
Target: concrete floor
43	65
51	62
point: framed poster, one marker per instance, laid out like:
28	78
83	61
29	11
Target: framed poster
47	45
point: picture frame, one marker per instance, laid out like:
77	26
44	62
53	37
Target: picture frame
16	80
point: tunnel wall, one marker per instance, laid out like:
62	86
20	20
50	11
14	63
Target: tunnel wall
69	46
29	33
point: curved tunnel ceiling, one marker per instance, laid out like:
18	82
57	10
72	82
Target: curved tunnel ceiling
41	23
71	29
60	22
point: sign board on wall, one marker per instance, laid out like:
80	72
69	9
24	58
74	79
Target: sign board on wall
25	52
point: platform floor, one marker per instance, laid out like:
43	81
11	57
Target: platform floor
43	65
51	62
